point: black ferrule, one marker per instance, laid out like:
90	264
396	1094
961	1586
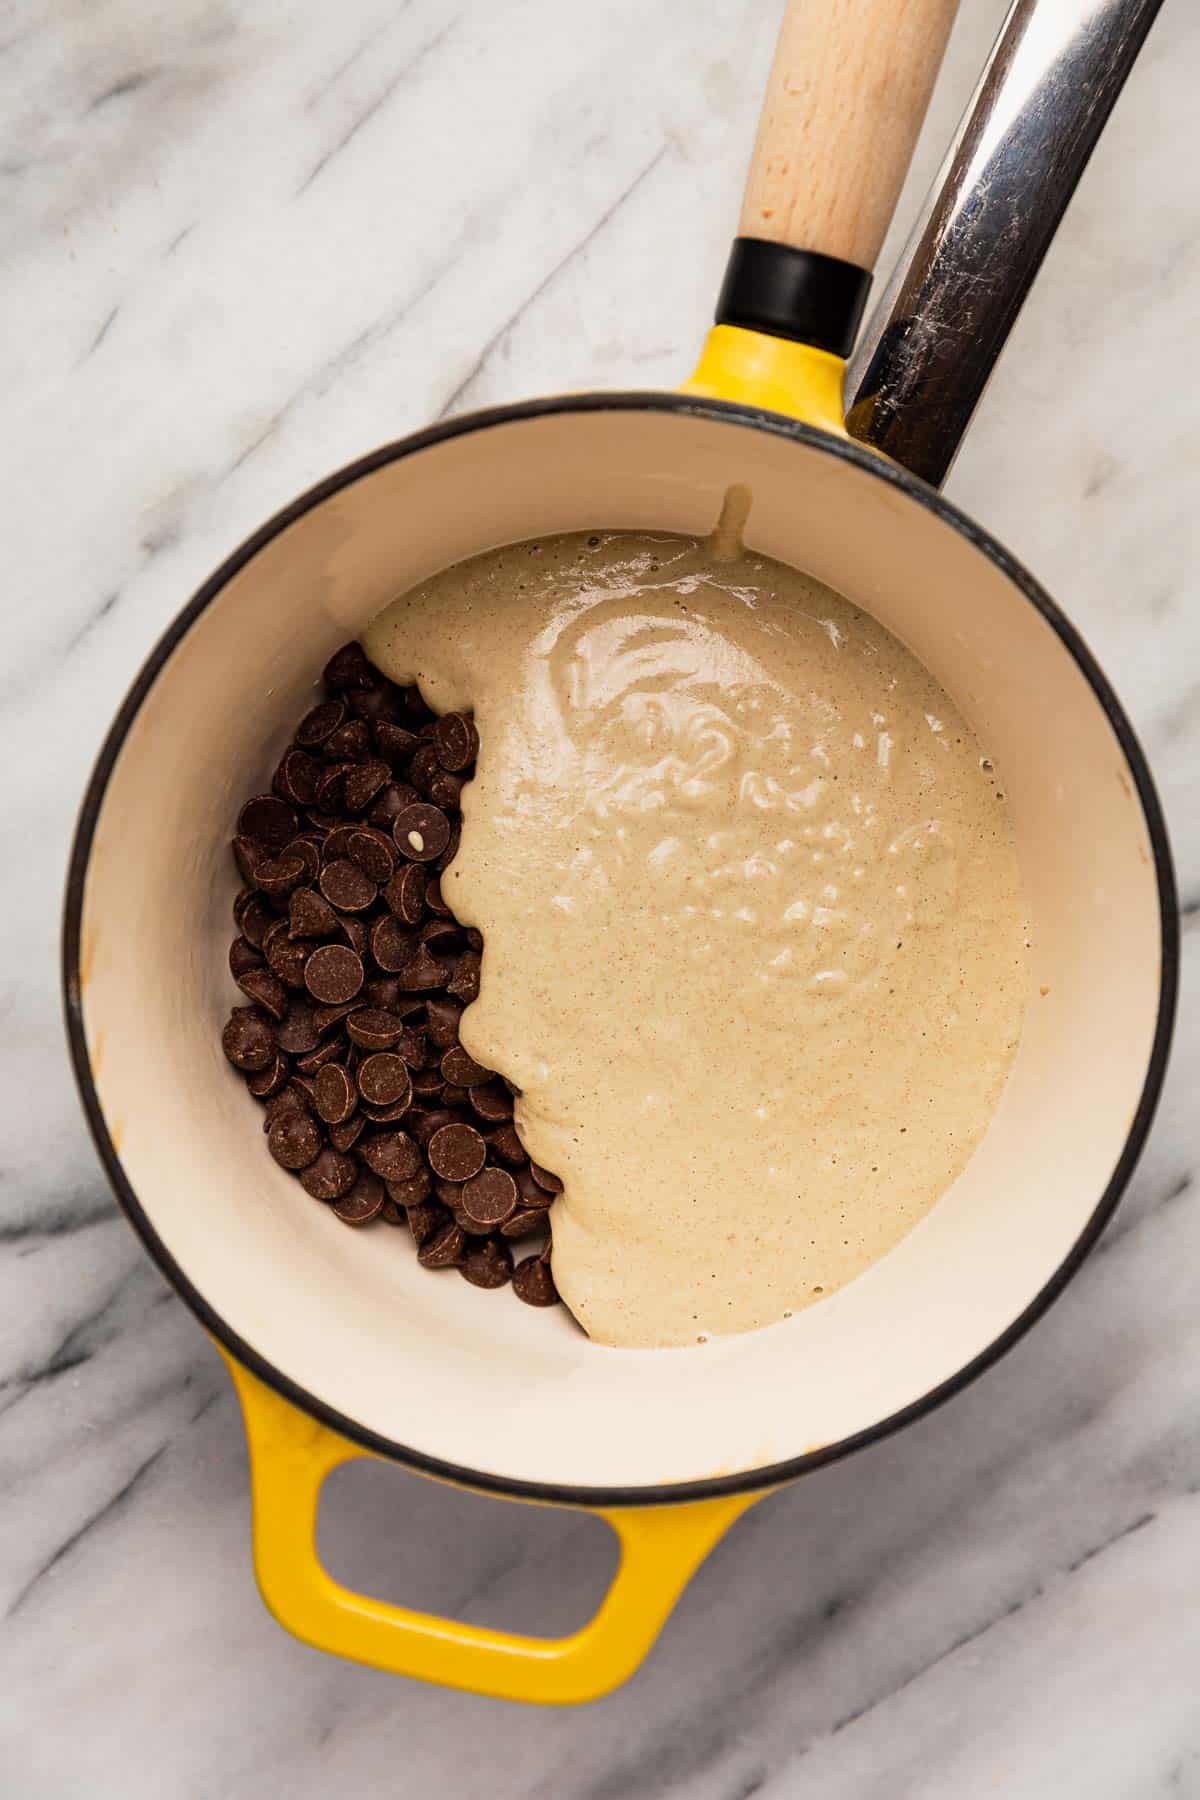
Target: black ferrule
797	294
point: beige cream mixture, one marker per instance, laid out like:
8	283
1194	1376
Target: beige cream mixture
754	939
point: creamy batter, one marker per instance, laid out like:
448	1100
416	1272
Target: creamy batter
754	942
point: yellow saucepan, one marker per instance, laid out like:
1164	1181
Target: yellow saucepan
342	1348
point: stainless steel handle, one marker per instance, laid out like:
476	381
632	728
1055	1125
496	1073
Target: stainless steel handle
928	349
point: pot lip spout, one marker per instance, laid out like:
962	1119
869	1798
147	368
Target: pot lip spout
751	1479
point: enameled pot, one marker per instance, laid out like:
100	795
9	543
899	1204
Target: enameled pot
339	1344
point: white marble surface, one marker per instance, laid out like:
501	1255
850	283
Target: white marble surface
241	244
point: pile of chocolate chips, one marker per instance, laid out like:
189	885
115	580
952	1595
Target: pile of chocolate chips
358	972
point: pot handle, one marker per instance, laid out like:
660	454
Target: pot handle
845	101
290	1456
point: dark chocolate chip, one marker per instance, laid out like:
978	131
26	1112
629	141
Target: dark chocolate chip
464	982
336	1095
456	741
374	852
383	1080
412	1191
392	944
451	851
455	1096
243	956
544	1178
391	803
248	1040
378	703
504	1143
265	1083
392	1214
391	1154
425	1220
351	743
531	1194
342	1136
442	1018
296	778
415	709
266	990
364	1202
354	932
443	936
256	920
422	972
337	842
394	741
444	789
524	1223
331	1175
364	783
433	898
294	1140
493	1102
456	1152
385	991
421	832
249	857
490	1197
298	1034
333	974
310	915
268	820
488	1265
308	850
387	1115
445	1249
474	939
423	764
275	932
332	1050
346	887
464	1071
533	1283
316	725
469	1225
331	785
405	894
348	668
374	1028
287	1100
413	1047
327	1017
287	956
424	1123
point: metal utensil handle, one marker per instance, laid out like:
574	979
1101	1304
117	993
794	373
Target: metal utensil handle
926	354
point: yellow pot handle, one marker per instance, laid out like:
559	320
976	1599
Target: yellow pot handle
290	1456
845	99
785	377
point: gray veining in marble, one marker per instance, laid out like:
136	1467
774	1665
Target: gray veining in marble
243	243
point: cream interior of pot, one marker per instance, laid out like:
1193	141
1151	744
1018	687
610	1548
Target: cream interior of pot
474	1378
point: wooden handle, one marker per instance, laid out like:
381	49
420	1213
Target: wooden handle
847	93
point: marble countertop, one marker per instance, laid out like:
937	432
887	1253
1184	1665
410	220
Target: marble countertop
242	244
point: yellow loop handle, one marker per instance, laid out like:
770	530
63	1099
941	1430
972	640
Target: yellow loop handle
290	1457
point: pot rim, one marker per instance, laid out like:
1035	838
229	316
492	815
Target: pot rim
846	450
